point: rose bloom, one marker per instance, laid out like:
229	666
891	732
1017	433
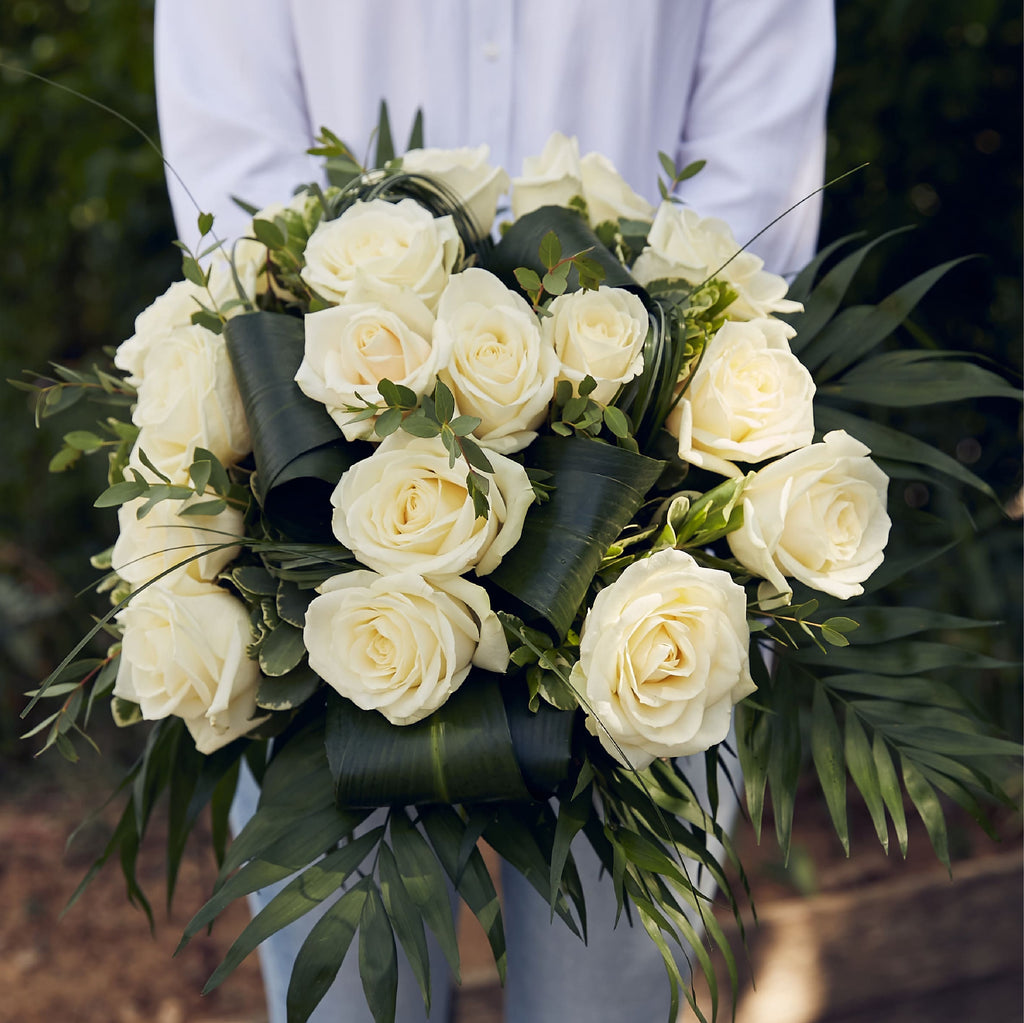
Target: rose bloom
189	399
550	179
819	515
494	359
467	173
381	332
399	644
750	399
164	538
684	245
404	509
183	653
598	333
397	243
607	194
663	659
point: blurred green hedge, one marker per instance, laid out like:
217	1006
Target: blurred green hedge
928	92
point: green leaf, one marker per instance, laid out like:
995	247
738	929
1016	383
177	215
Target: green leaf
388	422
416	135
120	493
205	224
826	298
287	691
83	440
616	421
64	459
892	794
418	425
556	281
299	450
385	144
192	271
378	959
444	402
907	379
269	233
423	878
463	752
599	490
297	898
827	752
444	828
550	250
690	170
406	921
930	810
323	952
528	279
865	775
214	507
282	650
845	349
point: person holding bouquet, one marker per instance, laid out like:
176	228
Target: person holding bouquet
243	88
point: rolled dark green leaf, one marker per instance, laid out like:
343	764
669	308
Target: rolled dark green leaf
599	488
299	450
467	751
520	246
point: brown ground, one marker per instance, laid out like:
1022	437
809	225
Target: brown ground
100	964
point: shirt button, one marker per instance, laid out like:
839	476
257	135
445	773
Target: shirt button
491	51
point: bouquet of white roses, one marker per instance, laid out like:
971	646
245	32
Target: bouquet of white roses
400	507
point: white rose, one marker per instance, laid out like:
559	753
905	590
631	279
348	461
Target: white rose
397	243
819	515
399	644
467	173
683	244
404	509
663	659
598	333
750	399
551	179
607	194
189	399
171	311
183	653
163	538
494	359
381	332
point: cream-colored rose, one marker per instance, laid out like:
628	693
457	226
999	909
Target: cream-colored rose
607	194
396	243
171	311
684	245
494	359
163	538
381	333
189	399
183	653
551	179
819	515
664	658
467	173
598	333
404	509
750	399
399	644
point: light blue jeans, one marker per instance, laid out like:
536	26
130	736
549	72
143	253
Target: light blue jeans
552	976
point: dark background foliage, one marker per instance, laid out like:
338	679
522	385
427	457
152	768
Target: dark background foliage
927	91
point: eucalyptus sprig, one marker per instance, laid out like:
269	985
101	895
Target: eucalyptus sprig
675	174
832	630
205	474
577	413
431	416
556	279
67	387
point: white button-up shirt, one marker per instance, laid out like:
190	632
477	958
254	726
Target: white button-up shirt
243	86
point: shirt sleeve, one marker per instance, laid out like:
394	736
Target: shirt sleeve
757	115
232	109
